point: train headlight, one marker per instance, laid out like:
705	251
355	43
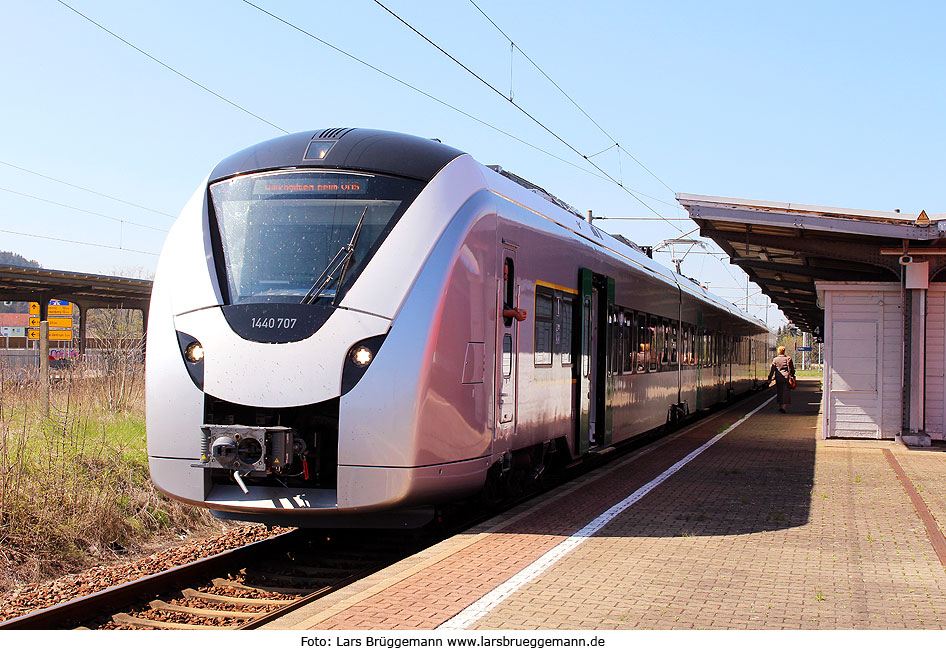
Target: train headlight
361	356
194	352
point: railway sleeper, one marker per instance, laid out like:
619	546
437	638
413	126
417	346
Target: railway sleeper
349	561
249	588
190	593
314	571
205	613
306	580
124	618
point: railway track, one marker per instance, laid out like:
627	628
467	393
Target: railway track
240	589
254	584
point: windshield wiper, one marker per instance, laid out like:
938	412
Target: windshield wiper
342	257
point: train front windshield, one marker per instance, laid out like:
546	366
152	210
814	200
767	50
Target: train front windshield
284	234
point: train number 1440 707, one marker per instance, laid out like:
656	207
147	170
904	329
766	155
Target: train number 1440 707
273	323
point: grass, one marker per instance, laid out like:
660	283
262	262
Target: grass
808	373
74	484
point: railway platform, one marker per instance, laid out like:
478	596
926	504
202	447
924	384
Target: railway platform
758	524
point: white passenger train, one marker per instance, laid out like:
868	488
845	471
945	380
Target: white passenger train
327	342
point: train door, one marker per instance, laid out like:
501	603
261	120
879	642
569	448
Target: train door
507	350
592	406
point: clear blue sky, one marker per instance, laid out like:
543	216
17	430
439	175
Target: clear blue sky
817	103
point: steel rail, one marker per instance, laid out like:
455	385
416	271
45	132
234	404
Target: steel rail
61	616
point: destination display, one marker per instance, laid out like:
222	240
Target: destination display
333	186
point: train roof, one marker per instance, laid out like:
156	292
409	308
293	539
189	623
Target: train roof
619	247
344	148
420	158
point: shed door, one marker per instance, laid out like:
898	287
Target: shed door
854	403
936	362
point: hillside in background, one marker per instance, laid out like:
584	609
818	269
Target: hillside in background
14	259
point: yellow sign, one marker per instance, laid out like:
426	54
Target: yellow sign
54	334
61	322
56	308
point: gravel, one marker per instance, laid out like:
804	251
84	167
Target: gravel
33	597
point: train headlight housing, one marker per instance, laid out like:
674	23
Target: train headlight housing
194	352
361	356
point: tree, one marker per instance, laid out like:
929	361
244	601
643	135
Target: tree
14	259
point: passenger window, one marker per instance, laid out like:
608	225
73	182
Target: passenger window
629	346
543	327
616	320
586	342
566	328
507	355
673	342
660	348
509	299
653	348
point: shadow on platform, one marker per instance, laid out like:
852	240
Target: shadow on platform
757	478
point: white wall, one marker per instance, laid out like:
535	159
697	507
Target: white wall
863	359
935	358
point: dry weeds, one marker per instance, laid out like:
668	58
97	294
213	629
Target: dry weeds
74	485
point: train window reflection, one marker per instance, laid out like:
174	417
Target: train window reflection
566	331
507	356
279	232
653	350
543	327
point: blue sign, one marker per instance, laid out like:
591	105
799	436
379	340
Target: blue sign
803	348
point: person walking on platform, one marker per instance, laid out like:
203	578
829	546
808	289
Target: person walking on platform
783	371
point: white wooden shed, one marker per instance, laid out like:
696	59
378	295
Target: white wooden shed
863	381
872	284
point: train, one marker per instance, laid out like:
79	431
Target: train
354	327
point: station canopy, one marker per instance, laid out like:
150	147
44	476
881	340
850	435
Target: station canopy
91	291
785	248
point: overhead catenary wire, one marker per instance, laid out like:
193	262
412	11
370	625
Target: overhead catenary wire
444	103
88	190
93	213
172	69
243	109
66	240
570	99
522	110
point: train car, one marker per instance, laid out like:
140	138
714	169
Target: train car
352	327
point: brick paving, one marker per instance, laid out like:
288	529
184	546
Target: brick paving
770	528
